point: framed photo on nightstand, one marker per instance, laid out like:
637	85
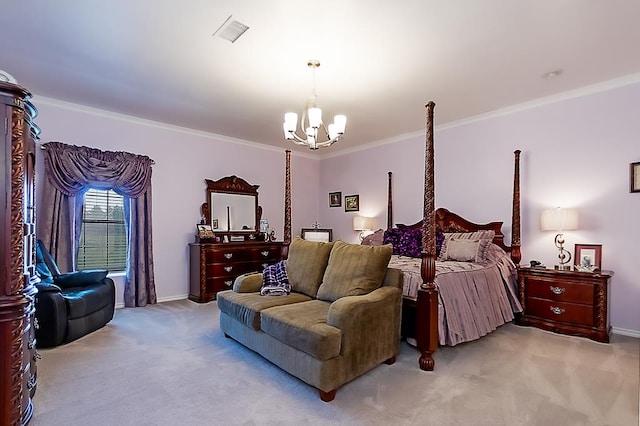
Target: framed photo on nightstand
588	257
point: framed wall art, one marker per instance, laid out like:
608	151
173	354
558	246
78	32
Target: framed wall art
335	199
351	203
634	177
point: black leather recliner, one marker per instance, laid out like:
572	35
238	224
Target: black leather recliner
69	306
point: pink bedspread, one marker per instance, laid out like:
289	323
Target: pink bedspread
473	299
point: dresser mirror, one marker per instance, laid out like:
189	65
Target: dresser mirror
232	209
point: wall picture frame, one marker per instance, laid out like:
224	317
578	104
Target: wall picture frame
588	257
352	203
317	234
335	199
634	177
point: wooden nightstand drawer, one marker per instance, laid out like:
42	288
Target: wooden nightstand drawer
560	311
569	302
561	291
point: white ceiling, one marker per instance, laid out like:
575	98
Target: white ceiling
381	60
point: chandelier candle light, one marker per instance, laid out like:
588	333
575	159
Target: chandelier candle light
317	135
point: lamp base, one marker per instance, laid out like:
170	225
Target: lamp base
562	267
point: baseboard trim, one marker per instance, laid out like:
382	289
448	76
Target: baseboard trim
626	332
161	299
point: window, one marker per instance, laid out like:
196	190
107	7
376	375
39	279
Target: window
103	238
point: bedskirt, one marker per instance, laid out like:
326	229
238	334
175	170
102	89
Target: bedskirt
473	299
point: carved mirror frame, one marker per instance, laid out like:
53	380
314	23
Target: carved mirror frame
232	185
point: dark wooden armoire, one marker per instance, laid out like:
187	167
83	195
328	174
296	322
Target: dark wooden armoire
17	255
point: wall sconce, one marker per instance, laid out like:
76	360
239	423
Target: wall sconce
361	223
560	220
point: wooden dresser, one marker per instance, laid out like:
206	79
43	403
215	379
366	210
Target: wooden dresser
214	266
568	302
17	256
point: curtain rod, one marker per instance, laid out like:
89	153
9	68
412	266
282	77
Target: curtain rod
44	148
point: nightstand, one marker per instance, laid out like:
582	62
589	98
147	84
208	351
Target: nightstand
567	302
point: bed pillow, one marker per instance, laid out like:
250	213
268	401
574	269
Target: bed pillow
375	239
477	235
405	241
354	270
465	250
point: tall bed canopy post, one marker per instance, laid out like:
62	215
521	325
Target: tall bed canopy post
427	303
287	205
516	255
389	203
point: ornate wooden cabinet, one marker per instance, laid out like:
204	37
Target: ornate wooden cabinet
214	267
568	302
17	255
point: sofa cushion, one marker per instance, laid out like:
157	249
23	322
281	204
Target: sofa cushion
304	327
85	300
246	307
306	263
353	270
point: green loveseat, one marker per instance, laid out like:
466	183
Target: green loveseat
341	319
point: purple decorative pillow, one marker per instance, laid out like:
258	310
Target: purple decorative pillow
406	242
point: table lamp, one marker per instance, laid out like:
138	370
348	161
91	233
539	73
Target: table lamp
560	220
361	223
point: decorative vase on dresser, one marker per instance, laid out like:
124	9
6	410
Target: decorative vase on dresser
229	241
17	255
568	302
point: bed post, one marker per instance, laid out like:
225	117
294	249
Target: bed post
389	203
427	304
516	255
287	205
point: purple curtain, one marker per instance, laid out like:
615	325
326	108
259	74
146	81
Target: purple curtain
70	171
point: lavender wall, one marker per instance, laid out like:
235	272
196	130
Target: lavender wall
184	158
575	153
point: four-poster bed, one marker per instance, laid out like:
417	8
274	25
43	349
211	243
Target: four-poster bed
422	318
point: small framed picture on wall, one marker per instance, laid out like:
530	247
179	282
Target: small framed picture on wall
351	203
634	177
335	199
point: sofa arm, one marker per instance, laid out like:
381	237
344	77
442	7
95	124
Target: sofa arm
80	278
248	283
51	314
370	322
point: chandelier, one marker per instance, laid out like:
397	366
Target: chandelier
317	135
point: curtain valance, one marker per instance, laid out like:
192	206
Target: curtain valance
71	169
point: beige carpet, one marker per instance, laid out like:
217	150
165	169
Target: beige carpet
169	364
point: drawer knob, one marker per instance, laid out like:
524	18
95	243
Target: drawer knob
265	253
228	268
556	310
228	283
228	255
557	290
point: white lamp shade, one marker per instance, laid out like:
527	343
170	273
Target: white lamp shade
341	123
290	122
559	220
315	117
361	223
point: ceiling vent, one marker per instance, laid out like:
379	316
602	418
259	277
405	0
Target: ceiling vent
231	30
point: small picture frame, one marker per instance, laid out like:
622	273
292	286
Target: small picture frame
588	257
316	234
335	199
351	203
204	231
214	223
634	177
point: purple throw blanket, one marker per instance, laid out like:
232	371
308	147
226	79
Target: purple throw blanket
275	281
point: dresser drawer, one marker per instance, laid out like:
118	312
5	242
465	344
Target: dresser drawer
560	311
232	269
560	291
225	255
268	254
